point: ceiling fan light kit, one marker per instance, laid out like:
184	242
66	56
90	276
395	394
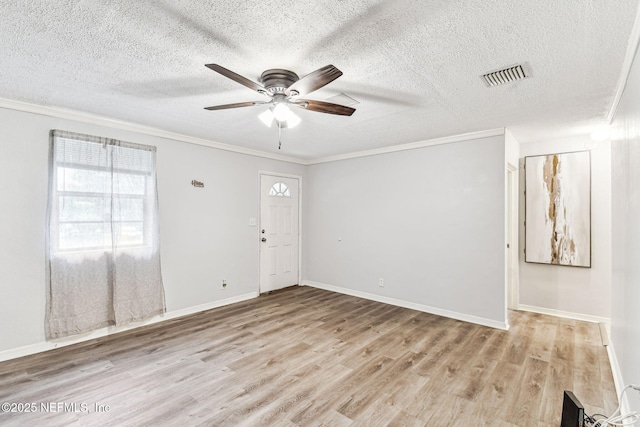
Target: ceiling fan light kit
280	114
284	87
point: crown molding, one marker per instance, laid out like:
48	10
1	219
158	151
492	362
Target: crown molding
63	113
410	146
632	49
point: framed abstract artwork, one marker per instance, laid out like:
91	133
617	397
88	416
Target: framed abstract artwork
558	209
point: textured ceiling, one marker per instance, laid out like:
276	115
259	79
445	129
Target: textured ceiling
413	65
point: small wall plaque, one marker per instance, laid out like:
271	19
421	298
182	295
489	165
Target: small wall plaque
197	183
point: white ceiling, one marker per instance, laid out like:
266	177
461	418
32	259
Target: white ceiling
413	65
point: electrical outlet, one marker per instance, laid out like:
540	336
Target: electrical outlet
381	282
224	284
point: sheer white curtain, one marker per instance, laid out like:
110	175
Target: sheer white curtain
103	245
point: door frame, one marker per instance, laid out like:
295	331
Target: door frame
512	238
259	235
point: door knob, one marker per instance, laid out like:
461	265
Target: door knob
264	239
263	231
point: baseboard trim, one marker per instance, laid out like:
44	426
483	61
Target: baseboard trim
411	305
618	381
565	314
40	347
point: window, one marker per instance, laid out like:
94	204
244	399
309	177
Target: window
280	189
101	195
103	253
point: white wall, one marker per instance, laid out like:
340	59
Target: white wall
625	189
205	235
574	291
429	221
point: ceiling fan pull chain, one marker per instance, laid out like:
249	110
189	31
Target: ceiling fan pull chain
279	135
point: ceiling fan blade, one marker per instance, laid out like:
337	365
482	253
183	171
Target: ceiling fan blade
314	81
237	77
236	105
325	107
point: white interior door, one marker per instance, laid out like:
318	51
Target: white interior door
279	231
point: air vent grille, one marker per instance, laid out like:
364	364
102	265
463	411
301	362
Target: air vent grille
343	99
506	75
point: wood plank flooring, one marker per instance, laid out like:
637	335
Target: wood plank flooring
308	357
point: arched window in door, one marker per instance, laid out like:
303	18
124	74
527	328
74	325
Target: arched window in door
280	189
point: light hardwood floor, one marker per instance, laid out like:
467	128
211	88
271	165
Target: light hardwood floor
303	356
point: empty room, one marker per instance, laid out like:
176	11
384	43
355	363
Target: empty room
330	213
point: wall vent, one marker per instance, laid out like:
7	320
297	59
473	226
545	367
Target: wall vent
506	75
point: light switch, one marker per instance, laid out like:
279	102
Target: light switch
252	222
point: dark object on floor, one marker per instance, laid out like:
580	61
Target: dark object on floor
572	411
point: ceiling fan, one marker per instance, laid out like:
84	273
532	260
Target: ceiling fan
284	88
